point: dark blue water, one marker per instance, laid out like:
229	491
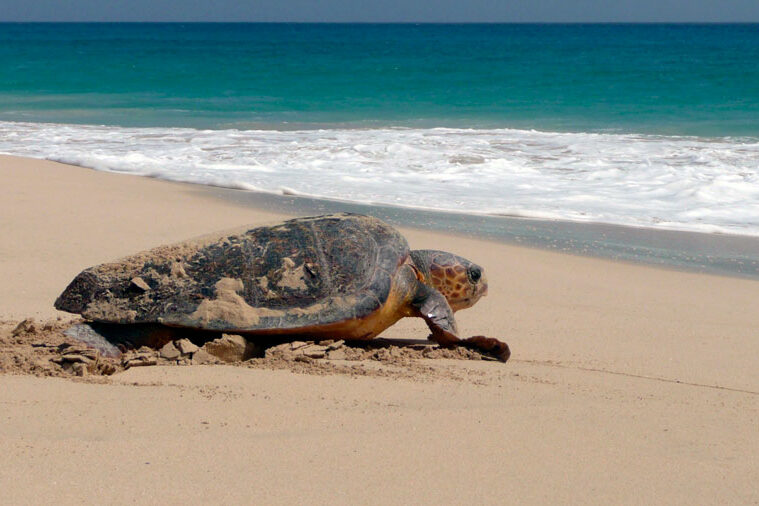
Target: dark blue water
666	79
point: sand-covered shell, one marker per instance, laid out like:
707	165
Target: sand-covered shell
301	274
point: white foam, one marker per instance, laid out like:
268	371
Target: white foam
687	183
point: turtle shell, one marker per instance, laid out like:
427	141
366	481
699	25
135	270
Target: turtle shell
301	274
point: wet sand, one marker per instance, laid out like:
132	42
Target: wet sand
628	384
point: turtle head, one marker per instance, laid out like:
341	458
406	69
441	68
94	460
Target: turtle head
461	282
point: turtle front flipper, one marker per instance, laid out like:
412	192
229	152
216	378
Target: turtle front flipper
433	307
489	345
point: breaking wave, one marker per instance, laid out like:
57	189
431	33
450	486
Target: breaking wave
685	183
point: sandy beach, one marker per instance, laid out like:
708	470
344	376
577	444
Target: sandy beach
628	384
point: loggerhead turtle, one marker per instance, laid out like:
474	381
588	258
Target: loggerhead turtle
342	276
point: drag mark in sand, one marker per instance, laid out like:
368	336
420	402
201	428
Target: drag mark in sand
639	376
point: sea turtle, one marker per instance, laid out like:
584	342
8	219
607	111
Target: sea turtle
342	276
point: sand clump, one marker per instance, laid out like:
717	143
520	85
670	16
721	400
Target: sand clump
29	347
43	349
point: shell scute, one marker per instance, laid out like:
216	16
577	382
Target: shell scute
380	285
367	304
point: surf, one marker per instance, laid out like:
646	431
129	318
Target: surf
707	184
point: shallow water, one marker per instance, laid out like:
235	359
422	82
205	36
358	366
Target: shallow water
665	182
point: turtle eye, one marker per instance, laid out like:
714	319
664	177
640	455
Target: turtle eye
474	274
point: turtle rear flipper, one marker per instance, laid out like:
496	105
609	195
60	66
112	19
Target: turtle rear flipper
433	307
111	338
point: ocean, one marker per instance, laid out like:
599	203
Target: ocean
652	126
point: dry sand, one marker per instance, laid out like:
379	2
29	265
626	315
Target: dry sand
627	385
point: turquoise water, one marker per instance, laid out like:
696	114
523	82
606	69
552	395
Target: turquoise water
663	79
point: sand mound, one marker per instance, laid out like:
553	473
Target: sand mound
43	349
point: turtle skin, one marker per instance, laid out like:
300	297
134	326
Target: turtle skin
305	273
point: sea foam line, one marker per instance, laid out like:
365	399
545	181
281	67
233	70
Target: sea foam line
684	183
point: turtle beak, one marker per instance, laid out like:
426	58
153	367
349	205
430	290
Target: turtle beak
483	286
